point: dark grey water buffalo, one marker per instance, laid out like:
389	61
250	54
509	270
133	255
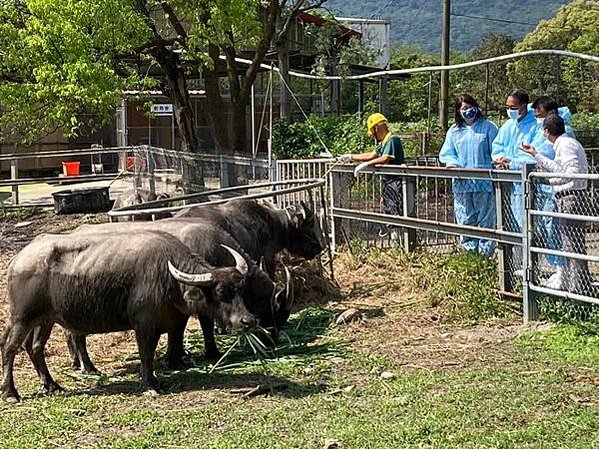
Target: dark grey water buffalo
270	307
263	230
139	196
146	281
259	229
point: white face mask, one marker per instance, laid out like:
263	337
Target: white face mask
513	114
540	122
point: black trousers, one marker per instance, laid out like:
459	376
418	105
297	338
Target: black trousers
391	196
576	271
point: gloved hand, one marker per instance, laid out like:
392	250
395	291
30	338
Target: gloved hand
346	158
361	167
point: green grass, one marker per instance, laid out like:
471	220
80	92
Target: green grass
535	390
544	395
22	213
463	284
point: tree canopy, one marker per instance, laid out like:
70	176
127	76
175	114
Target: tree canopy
65	63
576	28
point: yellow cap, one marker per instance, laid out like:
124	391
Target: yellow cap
373	120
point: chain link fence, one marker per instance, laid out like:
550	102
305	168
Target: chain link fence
564	250
490	212
163	171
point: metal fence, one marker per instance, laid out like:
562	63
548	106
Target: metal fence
413	206
156	169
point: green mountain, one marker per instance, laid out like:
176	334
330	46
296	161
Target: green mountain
418	22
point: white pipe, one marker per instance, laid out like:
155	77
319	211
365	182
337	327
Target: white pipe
431	68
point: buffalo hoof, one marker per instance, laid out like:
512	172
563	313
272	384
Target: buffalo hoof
12	397
53	387
176	365
91	371
151	392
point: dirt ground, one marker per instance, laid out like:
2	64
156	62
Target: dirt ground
416	335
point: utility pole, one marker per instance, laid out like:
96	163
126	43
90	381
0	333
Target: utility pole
444	61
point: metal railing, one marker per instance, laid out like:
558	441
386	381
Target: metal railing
143	165
422	200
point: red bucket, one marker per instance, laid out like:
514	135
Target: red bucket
70	168
131	164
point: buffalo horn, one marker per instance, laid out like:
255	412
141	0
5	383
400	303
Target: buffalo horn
189	279
303	211
274	306
289	289
287	303
240	263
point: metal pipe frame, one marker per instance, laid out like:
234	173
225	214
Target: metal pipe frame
563	294
588	176
438	172
585	218
142	209
553	252
511	238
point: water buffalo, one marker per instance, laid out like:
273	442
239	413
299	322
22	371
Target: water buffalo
262	230
270	307
259	229
148	282
139	196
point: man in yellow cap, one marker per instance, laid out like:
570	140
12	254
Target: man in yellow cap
388	150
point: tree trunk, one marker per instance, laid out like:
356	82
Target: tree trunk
176	90
239	124
283	53
216	106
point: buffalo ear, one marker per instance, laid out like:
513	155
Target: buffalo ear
296	215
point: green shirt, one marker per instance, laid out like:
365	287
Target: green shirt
393	148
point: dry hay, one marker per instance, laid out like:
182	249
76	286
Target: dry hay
312	285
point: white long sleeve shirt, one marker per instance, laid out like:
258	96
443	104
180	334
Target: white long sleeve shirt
569	158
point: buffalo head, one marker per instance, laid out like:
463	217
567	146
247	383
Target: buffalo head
271	306
218	293
305	234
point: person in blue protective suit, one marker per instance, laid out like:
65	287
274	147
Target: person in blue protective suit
547	232
468	145
521	128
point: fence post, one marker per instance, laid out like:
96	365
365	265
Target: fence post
224	173
151	166
14	174
529	297
504	251
408	198
340	198
333	240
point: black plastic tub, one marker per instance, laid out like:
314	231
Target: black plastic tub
84	201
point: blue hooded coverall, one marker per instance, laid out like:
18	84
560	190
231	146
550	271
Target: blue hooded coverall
474	200
507	144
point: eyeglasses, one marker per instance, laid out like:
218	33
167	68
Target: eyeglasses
512	108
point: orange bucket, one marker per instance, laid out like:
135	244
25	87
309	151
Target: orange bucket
70	168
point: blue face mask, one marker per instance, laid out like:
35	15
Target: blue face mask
469	114
513	114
